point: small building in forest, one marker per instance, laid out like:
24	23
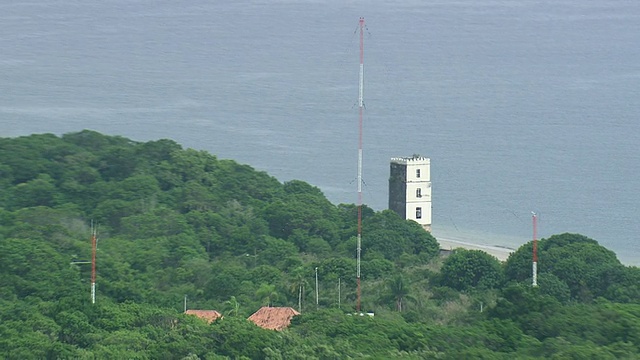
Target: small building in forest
206	315
273	318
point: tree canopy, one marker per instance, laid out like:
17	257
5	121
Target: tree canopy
179	226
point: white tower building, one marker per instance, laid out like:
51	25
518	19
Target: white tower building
410	189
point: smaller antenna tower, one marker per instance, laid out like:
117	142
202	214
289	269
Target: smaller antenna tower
94	246
534	269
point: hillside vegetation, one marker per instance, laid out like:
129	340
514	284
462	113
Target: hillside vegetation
175	223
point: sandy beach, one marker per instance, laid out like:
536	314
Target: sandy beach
502	253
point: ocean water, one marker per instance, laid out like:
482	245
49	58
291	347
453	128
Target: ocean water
521	105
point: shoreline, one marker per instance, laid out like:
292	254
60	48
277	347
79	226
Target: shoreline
500	252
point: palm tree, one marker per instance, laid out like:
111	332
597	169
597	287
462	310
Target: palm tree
267	293
233	306
298	283
399	290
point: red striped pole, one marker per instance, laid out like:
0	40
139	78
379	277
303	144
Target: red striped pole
535	250
360	110
94	246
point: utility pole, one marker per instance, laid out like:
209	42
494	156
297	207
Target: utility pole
317	302
339	289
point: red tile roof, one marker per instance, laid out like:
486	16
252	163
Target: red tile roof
273	318
207	315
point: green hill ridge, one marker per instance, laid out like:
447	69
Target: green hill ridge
176	224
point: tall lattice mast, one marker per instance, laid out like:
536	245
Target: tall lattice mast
360	110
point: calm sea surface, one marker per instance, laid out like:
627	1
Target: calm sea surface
521	105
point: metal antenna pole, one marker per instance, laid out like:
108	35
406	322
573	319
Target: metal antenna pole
360	110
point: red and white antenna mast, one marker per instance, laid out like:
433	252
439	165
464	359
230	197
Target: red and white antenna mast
360	110
534	269
94	243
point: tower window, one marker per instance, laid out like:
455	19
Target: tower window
419	192
417	173
418	213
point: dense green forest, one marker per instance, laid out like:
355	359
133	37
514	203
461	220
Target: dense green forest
176	222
